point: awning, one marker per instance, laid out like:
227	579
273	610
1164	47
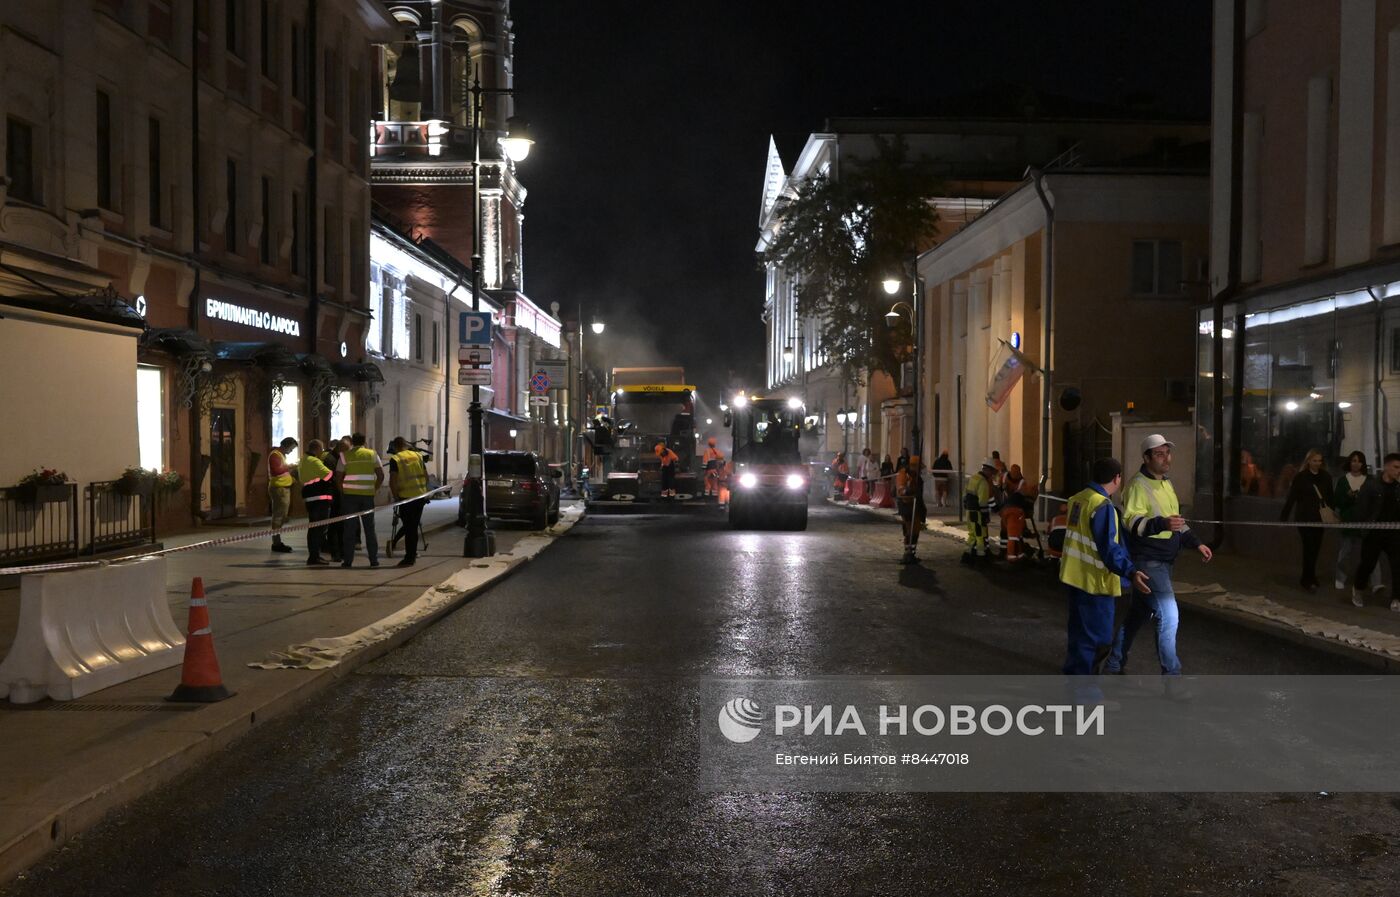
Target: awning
506	415
313	364
364	371
176	341
105	307
265	355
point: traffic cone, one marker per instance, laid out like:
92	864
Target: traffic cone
200	679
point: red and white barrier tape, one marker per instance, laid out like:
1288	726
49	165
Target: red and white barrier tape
212	543
1310	524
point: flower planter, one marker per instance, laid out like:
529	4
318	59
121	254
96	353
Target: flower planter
134	486
43	493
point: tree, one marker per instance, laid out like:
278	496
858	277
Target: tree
840	238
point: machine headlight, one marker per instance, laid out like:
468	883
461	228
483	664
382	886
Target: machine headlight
795	482
748	480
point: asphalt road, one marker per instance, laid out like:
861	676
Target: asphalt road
539	741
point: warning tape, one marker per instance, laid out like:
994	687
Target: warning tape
1310	524
212	543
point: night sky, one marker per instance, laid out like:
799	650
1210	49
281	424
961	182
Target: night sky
652	119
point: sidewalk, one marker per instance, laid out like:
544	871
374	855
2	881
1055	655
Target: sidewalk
1253	594
64	765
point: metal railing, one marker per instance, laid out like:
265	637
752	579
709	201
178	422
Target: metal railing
38	523
117	518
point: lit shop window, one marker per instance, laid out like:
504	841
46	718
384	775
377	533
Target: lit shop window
286	419
341	413
150	419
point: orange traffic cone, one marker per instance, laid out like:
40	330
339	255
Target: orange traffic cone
200	679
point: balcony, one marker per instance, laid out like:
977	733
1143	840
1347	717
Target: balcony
429	139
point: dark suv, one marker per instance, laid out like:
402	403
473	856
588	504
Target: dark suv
519	486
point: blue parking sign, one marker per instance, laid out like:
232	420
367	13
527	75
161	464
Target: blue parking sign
474	328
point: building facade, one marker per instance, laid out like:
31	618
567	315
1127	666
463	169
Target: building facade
206	164
1300	348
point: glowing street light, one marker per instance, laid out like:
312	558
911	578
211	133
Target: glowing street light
597	326
517	141
891	285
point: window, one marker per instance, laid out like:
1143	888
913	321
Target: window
342	418
298	228
357	259
265	42
1156	268
329	273
154	175
374	331
1395	350
150	423
231	215
233	26
1316	181
417	337
437	349
298	63
286	417
104	152
265	235
19	161
332	86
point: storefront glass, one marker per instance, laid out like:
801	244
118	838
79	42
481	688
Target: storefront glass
286	418
342	418
150	417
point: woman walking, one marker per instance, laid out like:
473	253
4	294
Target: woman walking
1344	499
1308	496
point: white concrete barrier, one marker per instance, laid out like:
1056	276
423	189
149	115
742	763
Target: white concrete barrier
84	630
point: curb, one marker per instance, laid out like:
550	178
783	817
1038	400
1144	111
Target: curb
53	831
1261	625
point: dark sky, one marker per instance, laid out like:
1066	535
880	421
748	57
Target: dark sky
652	120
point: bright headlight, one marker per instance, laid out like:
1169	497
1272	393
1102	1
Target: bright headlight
795	482
794	403
748	480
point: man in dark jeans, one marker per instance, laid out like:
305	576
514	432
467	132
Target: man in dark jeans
1379	501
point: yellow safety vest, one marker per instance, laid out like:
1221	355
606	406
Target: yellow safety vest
979	486
279	479
360	464
413	476
1145	498
1080	566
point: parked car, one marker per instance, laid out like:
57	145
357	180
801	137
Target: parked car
519	486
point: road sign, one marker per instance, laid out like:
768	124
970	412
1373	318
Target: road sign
474	328
469	355
557	369
473	376
539	400
540	382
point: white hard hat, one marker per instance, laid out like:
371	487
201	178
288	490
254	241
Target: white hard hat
1156	440
990	463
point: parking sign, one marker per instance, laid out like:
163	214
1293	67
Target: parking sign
474	328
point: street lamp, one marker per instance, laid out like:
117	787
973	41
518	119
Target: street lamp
480	541
892	286
597	326
788	354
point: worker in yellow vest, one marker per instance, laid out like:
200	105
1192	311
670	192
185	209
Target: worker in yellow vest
317	490
279	490
977	501
1094	568
359	476
408	478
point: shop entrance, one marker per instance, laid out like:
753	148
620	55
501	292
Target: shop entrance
223	482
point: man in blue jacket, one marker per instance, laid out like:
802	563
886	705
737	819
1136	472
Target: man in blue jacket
1095	567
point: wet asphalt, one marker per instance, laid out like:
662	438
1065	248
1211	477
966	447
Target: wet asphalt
540	741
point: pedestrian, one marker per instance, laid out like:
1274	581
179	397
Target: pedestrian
408	479
1379	502
867	470
1310	494
977	501
1156	534
942	478
1095	568
668	461
359	477
317	492
279	490
1344	499
886	467
902	461
909	493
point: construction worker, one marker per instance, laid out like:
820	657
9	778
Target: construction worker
668	460
317	490
1156	533
1056	542
909	491
713	462
408	478
1094	569
279	490
359	477
1013	513
331	458
724	473
977	501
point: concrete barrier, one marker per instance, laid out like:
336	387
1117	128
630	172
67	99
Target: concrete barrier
84	630
884	493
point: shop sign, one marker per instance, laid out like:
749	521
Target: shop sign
219	310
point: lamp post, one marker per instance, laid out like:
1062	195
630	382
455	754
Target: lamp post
480	541
892	287
597	327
